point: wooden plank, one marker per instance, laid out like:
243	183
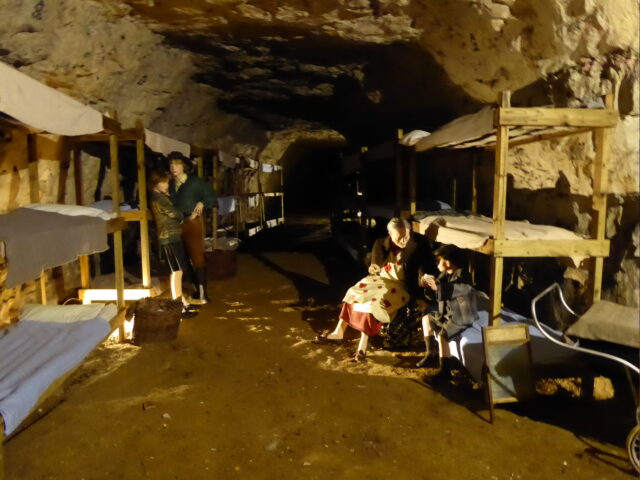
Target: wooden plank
474	184
65	161
556	117
547	136
116	224
144	214
200	166
117	235
135	215
399	175
214	181
42	287
110	124
34	179
85	272
77	174
413	182
600	186
551	248
499	210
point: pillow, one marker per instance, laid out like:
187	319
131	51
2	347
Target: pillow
71	210
60	313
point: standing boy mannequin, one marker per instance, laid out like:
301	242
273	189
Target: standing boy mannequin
456	309
168	220
191	195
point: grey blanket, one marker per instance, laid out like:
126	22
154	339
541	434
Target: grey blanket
36	240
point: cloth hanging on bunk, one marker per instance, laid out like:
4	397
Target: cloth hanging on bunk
165	145
226	205
44	108
227	159
36	240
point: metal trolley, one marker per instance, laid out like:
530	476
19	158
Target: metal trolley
633	439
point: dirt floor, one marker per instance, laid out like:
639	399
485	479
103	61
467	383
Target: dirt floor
245	392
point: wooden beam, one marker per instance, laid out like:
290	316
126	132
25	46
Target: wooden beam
545	136
117	235
34	178
551	248
413	182
85	271
65	161
200	166
42	283
214	182
555	117
143	214
474	183
399	175
499	209
600	186
77	174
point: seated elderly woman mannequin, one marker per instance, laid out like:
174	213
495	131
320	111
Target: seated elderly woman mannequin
398	261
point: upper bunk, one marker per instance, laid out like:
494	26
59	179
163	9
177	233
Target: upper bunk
500	128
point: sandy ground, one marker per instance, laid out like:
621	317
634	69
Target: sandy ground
244	392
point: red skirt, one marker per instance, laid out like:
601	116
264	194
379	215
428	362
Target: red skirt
363	322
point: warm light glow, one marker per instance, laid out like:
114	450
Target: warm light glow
110	294
128	331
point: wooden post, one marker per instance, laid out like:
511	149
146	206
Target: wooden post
34	179
499	209
200	166
65	161
282	190
399	207
144	209
42	283
77	174
600	185
474	184
214	180
117	235
413	182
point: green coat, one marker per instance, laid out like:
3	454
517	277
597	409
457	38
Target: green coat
194	190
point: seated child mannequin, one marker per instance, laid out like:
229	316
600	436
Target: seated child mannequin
456	309
168	220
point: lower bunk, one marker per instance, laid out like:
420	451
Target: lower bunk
469	350
40	352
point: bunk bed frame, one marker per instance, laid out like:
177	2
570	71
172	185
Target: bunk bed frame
114	135
513	127
47	399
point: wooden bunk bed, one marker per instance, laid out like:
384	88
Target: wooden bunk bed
33	108
502	128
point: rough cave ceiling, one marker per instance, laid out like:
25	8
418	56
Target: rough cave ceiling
365	83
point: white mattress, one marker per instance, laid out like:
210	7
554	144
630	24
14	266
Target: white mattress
45	344
468	347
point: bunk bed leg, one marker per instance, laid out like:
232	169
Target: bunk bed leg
144	221
399	174
499	209
600	176
214	181
34	178
42	283
117	235
413	183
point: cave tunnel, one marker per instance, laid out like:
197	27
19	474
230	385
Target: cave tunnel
293	111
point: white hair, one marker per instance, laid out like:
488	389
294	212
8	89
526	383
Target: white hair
397	223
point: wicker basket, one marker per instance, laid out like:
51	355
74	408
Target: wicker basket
156	320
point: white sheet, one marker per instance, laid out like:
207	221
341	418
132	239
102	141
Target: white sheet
36	353
73	210
63	313
473	231
468	348
44	108
165	145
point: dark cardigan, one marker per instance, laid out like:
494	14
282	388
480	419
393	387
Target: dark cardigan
416	257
